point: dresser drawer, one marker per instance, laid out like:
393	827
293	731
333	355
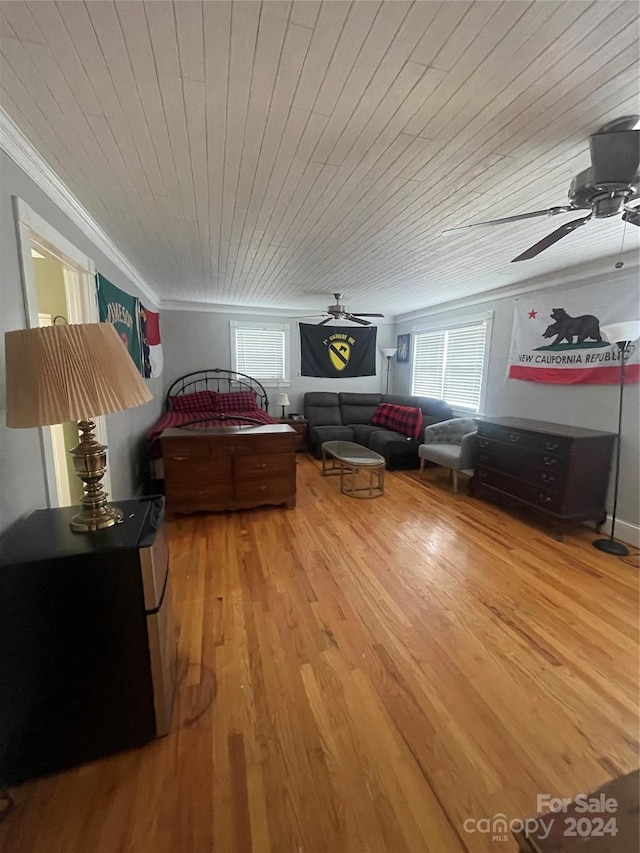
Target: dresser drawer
186	448
255	466
184	490
256	489
196	469
530	492
549	476
522	455
557	445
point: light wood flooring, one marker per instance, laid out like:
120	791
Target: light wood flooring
364	676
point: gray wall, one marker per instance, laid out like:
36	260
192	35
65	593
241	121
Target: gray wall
591	406
194	340
22	485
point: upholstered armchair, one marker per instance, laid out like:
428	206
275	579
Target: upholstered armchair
450	443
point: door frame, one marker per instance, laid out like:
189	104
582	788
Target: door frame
82	307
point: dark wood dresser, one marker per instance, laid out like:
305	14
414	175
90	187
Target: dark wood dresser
229	467
560	471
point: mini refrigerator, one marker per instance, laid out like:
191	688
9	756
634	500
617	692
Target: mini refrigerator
87	641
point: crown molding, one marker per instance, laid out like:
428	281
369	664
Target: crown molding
259	311
599	270
26	157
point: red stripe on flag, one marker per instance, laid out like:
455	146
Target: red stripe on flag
579	376
153	328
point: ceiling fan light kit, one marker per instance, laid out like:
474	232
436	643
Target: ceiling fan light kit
606	188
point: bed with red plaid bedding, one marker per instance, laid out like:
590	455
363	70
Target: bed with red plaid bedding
204	420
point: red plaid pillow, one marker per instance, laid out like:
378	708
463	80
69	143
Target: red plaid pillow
236	401
199	401
404	419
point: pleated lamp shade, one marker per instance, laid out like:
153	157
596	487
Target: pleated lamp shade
57	374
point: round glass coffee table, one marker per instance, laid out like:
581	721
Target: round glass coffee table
348	459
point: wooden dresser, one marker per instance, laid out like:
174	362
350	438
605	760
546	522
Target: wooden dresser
560	471
229	467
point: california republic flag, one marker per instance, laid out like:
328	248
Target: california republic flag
556	337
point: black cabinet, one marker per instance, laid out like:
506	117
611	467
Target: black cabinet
560	471
87	652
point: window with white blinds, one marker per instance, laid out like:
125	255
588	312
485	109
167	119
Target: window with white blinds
449	364
261	351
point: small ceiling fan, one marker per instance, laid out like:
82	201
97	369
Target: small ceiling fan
605	189
339	311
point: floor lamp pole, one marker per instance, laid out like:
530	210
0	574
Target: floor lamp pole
389	353
610	546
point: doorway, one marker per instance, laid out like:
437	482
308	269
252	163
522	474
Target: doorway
59	287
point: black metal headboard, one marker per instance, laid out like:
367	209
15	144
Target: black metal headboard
220	380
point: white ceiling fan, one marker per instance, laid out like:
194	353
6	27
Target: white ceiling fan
339	311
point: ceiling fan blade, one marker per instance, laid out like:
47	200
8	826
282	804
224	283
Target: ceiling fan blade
552	238
632	216
323	322
360	314
615	157
551	211
355	319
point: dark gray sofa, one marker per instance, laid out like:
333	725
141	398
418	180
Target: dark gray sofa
347	417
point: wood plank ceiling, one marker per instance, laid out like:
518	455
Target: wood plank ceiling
272	153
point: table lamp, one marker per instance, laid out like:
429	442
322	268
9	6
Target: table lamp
623	336
57	374
389	353
283	400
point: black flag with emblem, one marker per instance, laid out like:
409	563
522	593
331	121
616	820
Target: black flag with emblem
337	351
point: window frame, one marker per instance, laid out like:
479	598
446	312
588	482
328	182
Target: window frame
235	325
485	318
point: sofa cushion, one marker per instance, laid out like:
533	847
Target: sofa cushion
320	434
358	408
321	408
362	433
199	401
403	419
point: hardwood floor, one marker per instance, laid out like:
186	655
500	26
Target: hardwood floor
365	676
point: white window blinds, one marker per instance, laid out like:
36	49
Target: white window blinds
260	351
449	364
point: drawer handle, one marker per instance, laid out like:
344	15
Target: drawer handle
179	458
484	457
551	445
549	460
483	442
548	478
514	437
545	499
263	488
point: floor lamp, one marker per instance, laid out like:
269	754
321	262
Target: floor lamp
623	336
389	354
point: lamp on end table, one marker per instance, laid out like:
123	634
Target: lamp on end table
623	335
283	400
57	374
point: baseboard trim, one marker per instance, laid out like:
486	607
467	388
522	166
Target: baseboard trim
625	531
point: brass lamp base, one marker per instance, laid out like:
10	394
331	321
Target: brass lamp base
90	463
85	521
